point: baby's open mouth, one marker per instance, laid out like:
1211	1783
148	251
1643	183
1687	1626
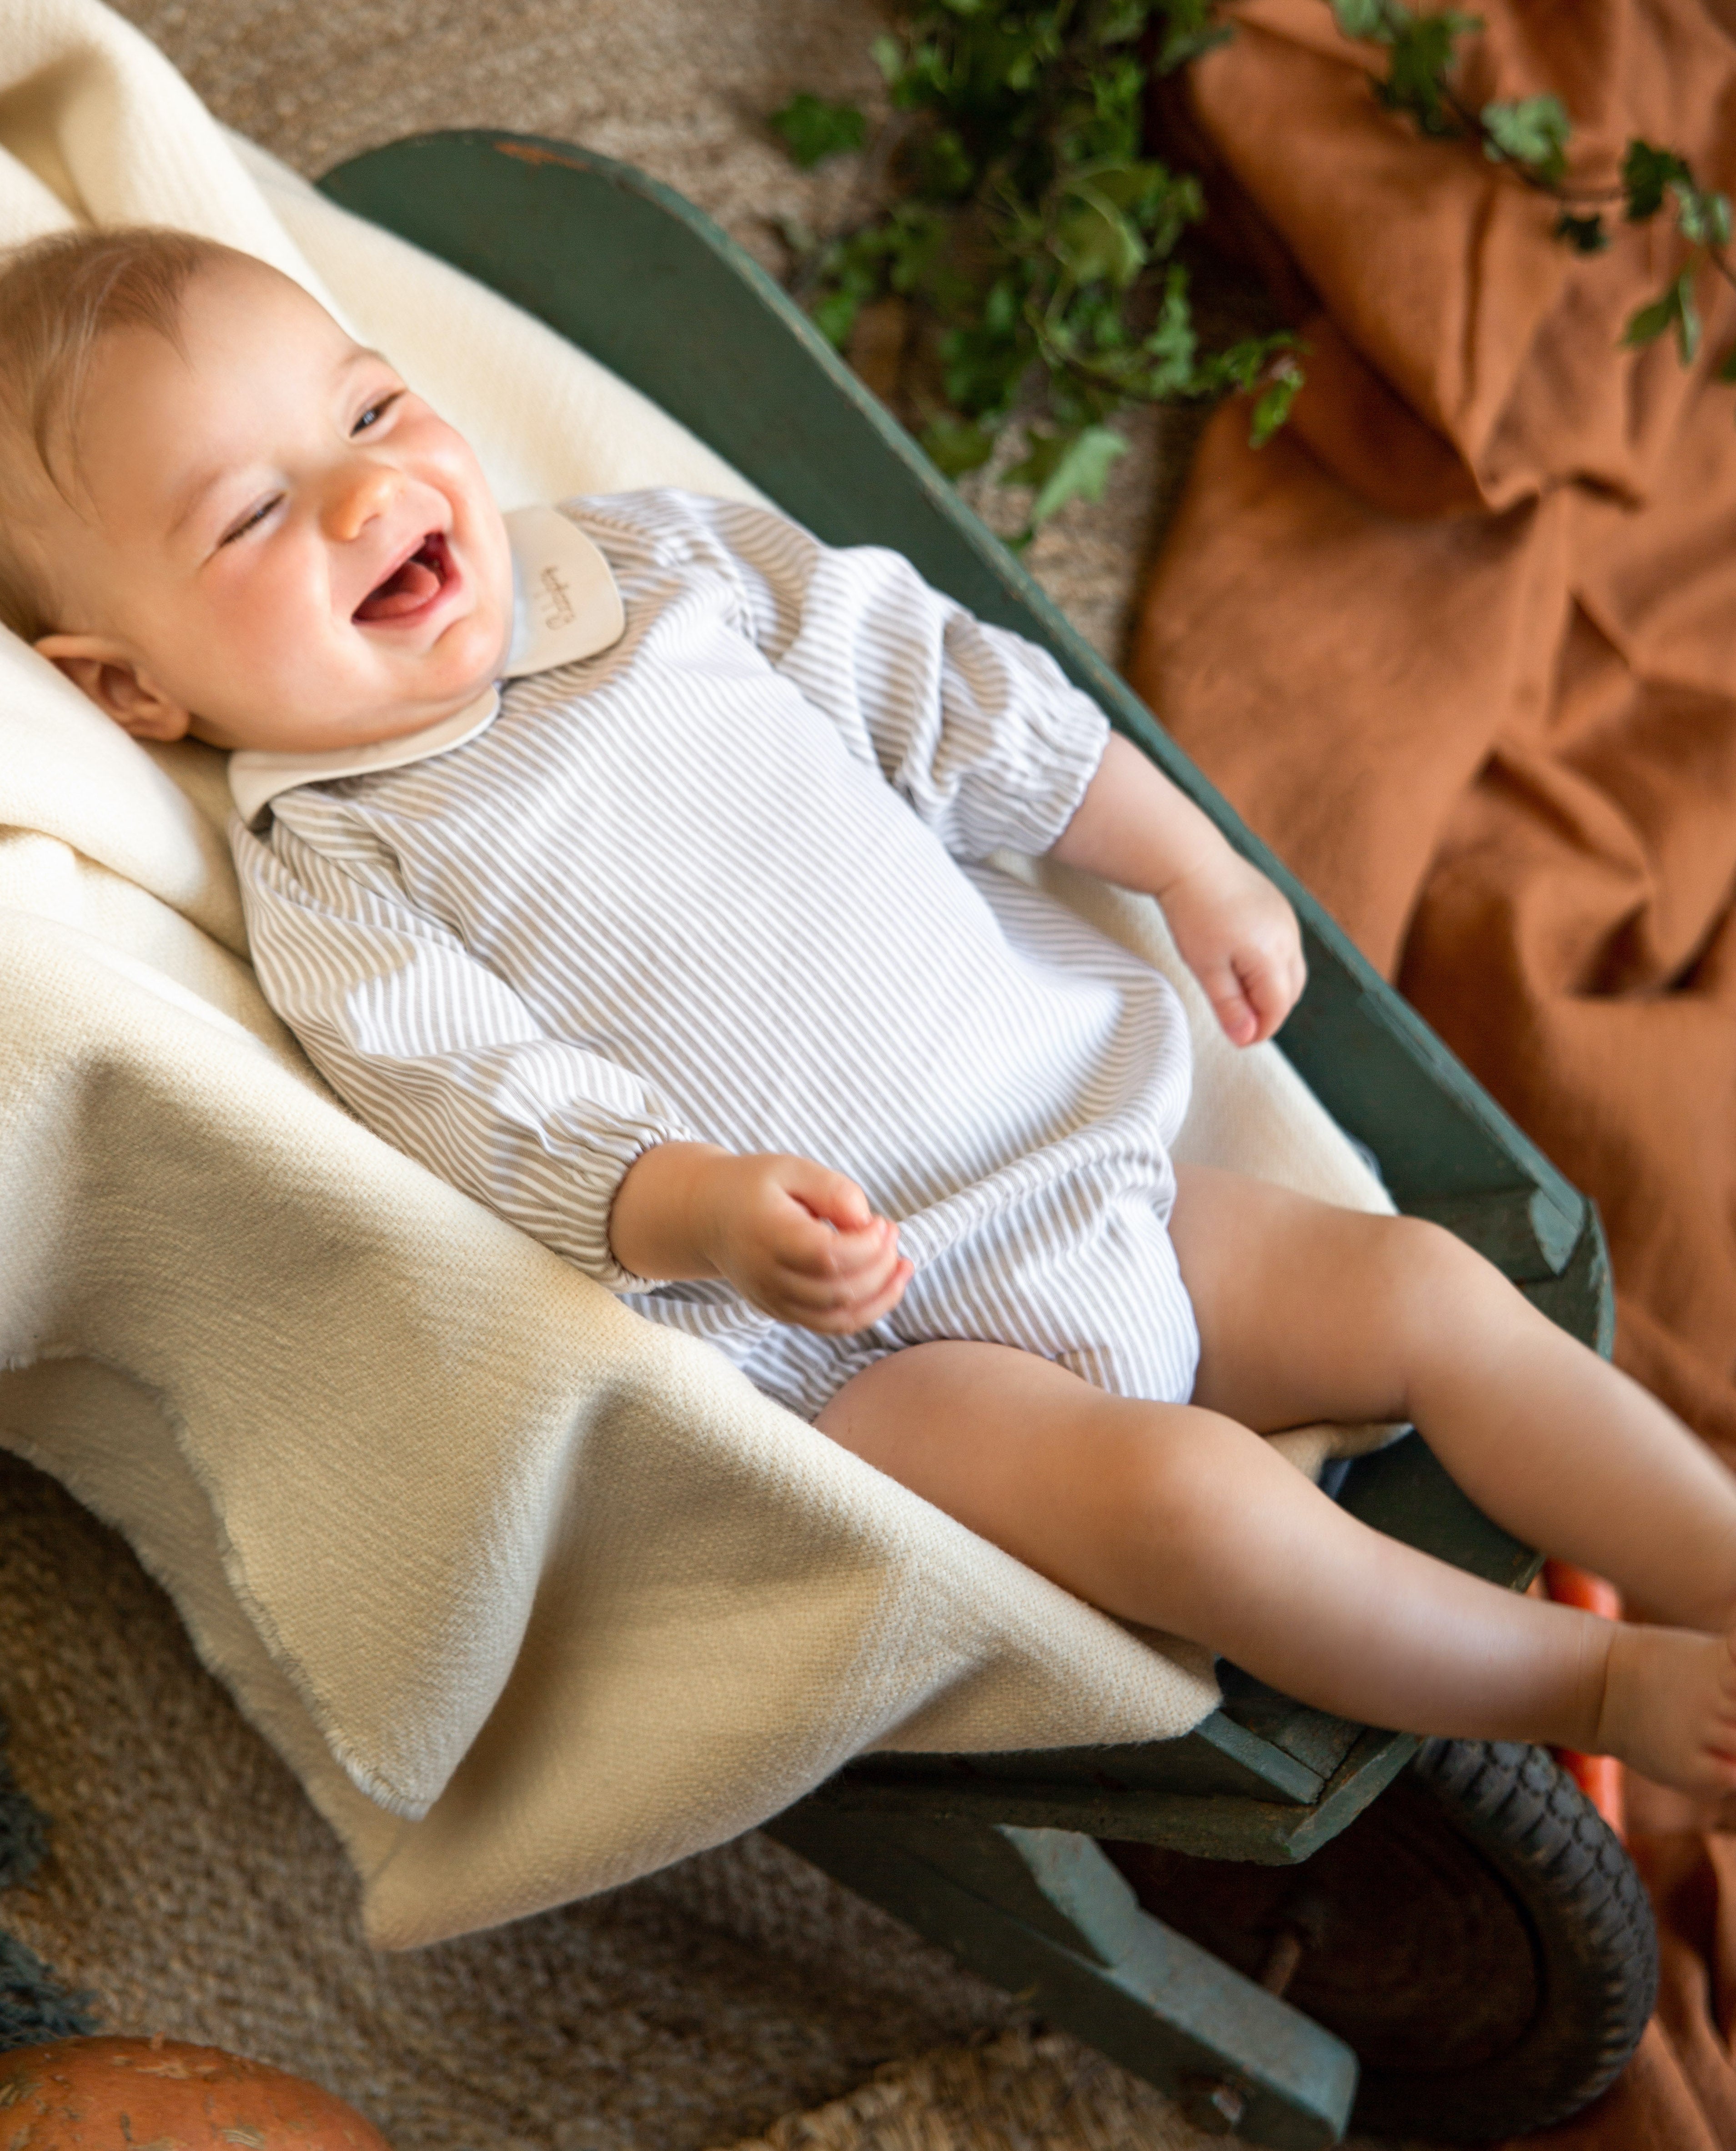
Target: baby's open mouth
410	584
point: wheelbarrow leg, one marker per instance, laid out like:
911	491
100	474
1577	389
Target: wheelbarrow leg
1043	1913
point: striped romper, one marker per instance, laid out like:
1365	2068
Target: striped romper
726	881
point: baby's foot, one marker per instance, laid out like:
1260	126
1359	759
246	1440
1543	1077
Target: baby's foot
1669	1706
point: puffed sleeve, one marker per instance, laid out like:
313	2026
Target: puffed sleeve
978	730
438	1055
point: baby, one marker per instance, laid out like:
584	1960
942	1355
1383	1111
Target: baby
678	948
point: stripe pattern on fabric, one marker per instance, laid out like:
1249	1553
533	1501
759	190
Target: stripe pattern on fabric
726	881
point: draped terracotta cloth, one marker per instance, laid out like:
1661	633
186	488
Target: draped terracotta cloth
1460	644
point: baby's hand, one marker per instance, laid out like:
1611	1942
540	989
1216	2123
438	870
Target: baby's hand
1236	933
799	1241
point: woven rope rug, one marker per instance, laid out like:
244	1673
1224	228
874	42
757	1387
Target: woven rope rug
741	1997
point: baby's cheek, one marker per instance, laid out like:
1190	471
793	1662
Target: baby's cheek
263	661
453	463
265	642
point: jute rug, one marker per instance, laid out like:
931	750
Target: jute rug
739	1996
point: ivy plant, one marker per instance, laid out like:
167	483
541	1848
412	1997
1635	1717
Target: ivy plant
1034	238
1530	136
1033	235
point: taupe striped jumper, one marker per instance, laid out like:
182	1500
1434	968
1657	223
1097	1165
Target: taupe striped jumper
726	880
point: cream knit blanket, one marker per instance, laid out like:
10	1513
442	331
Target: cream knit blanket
533	1596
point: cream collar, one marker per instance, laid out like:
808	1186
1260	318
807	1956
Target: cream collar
566	606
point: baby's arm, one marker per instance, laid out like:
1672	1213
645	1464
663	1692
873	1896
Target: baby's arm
1234	930
983	737
438	1055
435	1051
796	1238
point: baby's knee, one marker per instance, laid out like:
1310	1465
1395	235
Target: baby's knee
1176	1476
1439	1290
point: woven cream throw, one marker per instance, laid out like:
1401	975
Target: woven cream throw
533	1596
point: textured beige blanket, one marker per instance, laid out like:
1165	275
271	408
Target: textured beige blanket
535	1596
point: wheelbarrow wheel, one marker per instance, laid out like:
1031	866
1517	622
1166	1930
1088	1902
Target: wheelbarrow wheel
1478	1935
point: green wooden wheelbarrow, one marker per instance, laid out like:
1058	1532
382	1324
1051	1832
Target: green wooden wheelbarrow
1236	1915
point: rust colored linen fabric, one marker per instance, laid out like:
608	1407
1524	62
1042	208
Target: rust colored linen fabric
1460	644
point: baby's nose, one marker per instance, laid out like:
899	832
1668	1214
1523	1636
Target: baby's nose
357	499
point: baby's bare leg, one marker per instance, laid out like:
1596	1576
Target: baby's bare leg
1178	1518
1307	1312
1182	1519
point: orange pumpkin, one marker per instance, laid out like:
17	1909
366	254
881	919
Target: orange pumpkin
159	2095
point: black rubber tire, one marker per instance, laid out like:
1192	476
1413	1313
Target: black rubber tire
1594	1940
1479	1936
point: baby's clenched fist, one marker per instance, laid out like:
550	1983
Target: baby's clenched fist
801	1243
797	1239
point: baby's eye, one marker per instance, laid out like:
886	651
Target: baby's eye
375	412
254	515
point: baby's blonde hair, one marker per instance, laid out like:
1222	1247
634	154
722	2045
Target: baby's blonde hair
59	297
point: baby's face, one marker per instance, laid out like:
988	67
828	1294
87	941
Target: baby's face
276	545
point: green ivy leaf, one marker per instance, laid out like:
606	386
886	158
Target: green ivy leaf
812	129
1121	24
1423	49
914	73
946	166
981	372
1189	29
1362	19
1159	203
1171	347
1179	50
1064	467
1687	322
1272	406
1705	216
1675	309
835	315
1116	87
1125	182
1647	171
1000	309
1650	322
1094	239
958	445
1585	234
1243	366
1532	131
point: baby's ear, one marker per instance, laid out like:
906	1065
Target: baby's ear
108	674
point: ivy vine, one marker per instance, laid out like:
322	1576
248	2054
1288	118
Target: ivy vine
1032	239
